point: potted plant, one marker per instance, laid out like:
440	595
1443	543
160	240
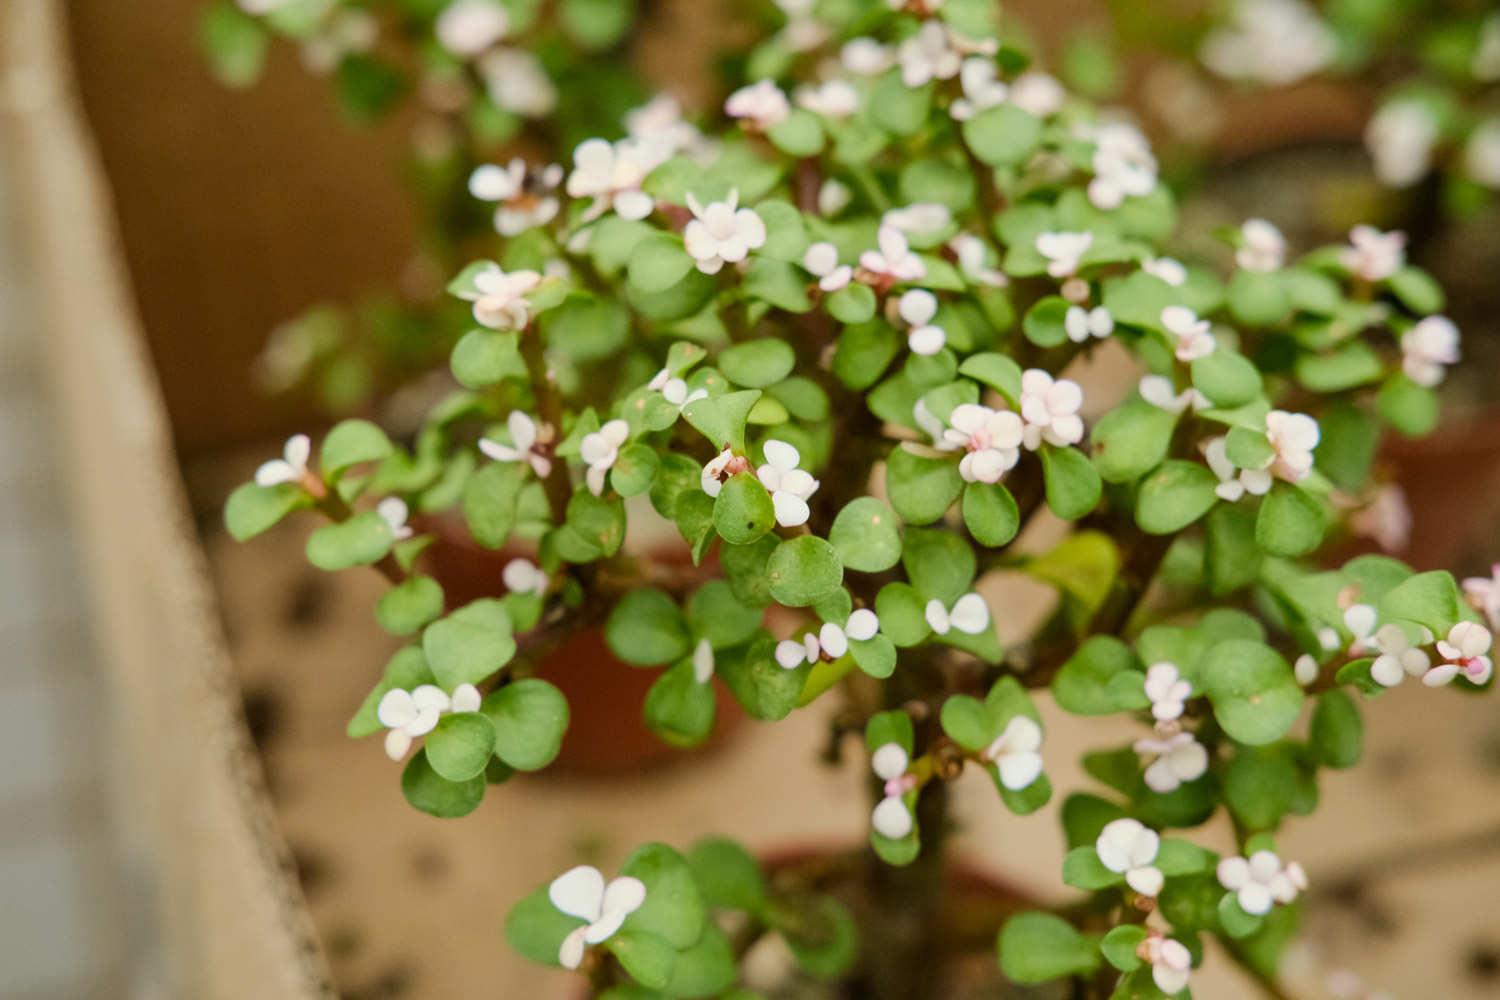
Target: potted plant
835	342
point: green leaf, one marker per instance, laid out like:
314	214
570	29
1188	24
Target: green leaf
406	670
1044	322
777	283
1181	857
727	875
1255	697
968	722
658	263
1038	947
648	958
758	682
646	628
483	358
1082	869
1120	944
678	708
597	24
897	108
823	937
1417	290
938	563
798	134
1290	522
743	511
435	795
536	929
803	570
991	514
1003	136
1352	365
234	42
721	419
252	509
864	352
852	304
1409	408
1227	378
921	489
866	535
673	909
1248	448
757	364
461	745
1102	678
1073	486
996	371
360	541
1432	600
1258	788
1174	496
1232	559
634	470
409	605
1258	298
489	501
1235	921
470	644
706	969
876	655
530	718
1337	732
367	87
901	611
1131	440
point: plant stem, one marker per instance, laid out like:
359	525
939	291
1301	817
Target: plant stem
549	408
335	509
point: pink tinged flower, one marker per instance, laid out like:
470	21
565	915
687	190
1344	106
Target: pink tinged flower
866	57
415	713
1049	408
581	892
891	818
969	615
719	468
522	576
1373	255
894	258
1016	753
792	653
1191	336
1123	166
981	90
393	512
1261	881
674	390
761	105
659	125
974	261
1484	594
991	439
1306	669
1400	138
1234	482
1128	848
833	197
500	298
1038	93
1167	269
517	81
600	449
721	233
919	218
526	197
835	99
928	55
703	662
290	467
1081	324
1293	437
1398	658
1465	651
917	308
1428	348
1159	391
889	761
612	173
822	261
1386	518
790	486
1262	247
1176	759
1064	251
524	436
1168	691
468	27
1171	964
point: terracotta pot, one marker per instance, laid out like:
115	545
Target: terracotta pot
607	734
1452	484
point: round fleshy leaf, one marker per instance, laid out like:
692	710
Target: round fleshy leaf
435	795
461	745
743	510
802	570
867	535
530	718
1254	694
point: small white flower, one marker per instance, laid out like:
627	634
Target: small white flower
917	308
721	233
1168	269
703	662
659	125
833	197
1127	848
1064	251
290	467
1234	482
1050	409
894	259
981	89
393	511
920	218
516	81
675	390
928	55
500	298
891	818
761	105
1482	152
1373	255
1293	436
1016	753
524	436
718	470
1168	690
1262	247
468	27
414	713
611	174
889	761
1273	42
974	261
1484	594
582	893
1306	670
991	438
969	615
822	261
522	576
1465	651
866	57
834	639
1123	166
836	99
526	198
1398	657
1081	323
1038	93
803	31
1160	393
600	449
790	486
1177	758
1428	348
1261	881
792	653
1400	138
1171	963
1361	620
1191	336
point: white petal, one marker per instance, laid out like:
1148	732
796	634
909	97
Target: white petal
297	451
522	430
1019	770
970	614
790	654
781	455
425	722
926	340
833	641
579	892
570	954
1147	881
396	708
703	662
1116	842
1255	898
937	617
891	818
275	472
595	479
862	624
1233	873
633	205
622	897
889	761
791	510
397	743
466	698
